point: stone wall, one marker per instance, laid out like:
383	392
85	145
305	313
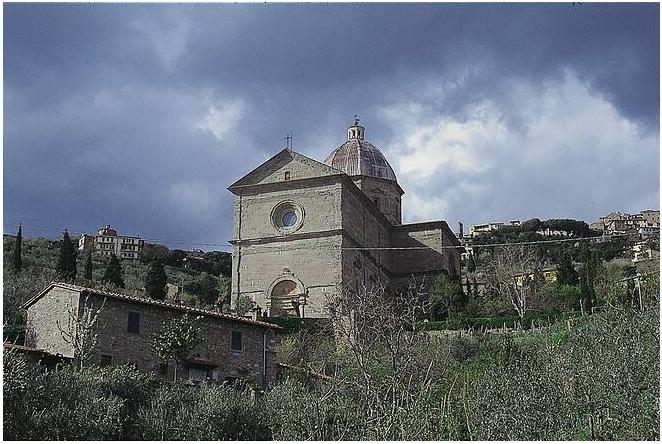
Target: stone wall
296	168
48	317
116	342
385	194
214	347
314	262
321	206
311	254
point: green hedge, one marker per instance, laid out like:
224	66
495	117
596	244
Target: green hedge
289	325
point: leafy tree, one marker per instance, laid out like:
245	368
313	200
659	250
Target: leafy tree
82	331
89	267
558	297
208	288
224	290
565	271
151	252
156	280
531	225
205	287
176	339
66	266
446	296
587	276
243	305
113	273
471	264
175	258
16	262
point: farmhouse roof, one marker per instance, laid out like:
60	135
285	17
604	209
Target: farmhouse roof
147	301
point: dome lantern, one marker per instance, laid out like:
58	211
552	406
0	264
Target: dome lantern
355	131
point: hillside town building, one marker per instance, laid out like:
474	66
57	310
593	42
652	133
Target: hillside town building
644	224
304	230
229	348
107	242
489	227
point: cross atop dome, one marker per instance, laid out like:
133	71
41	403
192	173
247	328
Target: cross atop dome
355	131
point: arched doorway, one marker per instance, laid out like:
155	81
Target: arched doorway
285	298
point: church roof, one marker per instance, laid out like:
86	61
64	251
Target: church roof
356	157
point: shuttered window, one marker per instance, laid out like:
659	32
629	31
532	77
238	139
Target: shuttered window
134	322
236	343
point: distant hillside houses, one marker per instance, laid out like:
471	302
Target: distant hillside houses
107	242
551	227
644	224
475	230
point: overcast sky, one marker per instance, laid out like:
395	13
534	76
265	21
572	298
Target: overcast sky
142	115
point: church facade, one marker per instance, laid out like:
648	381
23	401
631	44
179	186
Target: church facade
304	230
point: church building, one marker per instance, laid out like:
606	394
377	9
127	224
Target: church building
304	230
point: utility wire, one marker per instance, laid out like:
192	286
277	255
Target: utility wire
441	247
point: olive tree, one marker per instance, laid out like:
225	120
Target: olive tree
176	339
82	330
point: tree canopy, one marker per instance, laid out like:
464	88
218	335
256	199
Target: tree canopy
156	280
16	261
113	273
177	338
66	265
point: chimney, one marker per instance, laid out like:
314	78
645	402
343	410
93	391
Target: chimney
461	232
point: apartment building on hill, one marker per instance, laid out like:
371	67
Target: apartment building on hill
107	242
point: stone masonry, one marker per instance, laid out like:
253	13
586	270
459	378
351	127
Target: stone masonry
304	229
213	358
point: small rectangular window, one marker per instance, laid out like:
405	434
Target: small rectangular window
105	360
134	322
236	343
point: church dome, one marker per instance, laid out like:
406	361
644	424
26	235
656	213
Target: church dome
107	231
356	157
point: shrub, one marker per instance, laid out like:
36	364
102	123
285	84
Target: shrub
204	412
65	404
463	348
298	412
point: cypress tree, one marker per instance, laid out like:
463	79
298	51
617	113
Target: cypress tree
16	261
156	280
66	265
113	273
88	265
566	274
589	268
471	264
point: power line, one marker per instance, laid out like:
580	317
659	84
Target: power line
455	247
441	247
170	241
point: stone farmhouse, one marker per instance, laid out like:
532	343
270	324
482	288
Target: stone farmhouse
230	347
304	229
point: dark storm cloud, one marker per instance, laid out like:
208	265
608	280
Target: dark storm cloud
141	115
